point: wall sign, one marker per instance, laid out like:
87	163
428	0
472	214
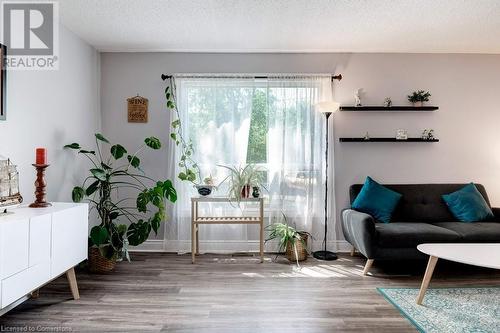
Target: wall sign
137	109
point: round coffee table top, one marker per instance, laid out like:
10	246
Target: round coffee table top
477	254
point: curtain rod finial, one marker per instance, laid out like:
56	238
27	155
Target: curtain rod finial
337	77
165	76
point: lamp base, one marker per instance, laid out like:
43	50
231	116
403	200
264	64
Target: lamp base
325	255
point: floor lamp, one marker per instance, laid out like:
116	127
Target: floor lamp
327	108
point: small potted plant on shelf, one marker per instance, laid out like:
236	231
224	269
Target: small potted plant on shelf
419	97
244	182
207	187
109	241
291	241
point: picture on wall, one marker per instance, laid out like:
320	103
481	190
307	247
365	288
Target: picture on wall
3	83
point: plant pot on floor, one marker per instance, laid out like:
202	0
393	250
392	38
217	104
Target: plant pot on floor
301	246
98	263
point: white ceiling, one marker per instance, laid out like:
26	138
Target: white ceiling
430	26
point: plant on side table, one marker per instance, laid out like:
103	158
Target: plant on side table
109	241
419	97
242	181
291	241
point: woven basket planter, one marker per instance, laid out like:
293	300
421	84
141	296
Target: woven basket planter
301	246
98	263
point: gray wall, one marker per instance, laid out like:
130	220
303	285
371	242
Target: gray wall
465	87
49	109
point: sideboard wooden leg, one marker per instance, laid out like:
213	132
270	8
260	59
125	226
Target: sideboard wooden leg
35	294
70	274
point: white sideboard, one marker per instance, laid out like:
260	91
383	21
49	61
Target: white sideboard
37	245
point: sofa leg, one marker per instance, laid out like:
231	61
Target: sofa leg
353	251
368	265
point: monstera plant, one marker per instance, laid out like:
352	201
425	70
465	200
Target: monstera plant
125	220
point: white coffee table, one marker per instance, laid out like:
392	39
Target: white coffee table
477	254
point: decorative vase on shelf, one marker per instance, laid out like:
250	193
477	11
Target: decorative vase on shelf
245	191
255	192
418	104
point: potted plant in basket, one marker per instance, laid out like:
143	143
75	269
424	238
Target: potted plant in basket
109	241
291	241
419	97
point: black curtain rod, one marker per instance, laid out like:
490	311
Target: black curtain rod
168	76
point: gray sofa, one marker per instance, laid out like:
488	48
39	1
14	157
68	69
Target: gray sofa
420	217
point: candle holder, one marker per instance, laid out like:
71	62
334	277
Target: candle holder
40	186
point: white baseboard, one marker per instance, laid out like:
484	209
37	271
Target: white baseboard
177	246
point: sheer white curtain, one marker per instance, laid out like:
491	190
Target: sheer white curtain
271	122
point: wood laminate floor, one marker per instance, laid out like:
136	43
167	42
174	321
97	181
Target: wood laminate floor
160	292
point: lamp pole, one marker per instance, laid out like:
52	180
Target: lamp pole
324	254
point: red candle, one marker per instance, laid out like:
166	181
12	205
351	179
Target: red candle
41	156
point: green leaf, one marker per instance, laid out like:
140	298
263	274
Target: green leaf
86	152
99	235
122	229
77	194
73	146
100	137
153	142
99	174
176	123
113	215
182	176
134	161
169	191
117	151
173	136
92	188
156	221
138	232
142	201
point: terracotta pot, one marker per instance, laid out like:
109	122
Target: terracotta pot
98	263
246	191
418	104
301	246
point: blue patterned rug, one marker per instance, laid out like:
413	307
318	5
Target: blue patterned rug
454	310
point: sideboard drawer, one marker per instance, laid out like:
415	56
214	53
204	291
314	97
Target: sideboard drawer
24	282
14	246
39	239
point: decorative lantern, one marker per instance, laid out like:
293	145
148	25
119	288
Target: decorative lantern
9	185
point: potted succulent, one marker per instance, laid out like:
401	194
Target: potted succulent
109	241
243	181
291	241
419	97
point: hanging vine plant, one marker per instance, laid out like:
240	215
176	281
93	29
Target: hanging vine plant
190	170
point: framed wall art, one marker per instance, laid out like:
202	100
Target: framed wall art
3	83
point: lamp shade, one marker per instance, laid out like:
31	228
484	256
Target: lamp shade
329	106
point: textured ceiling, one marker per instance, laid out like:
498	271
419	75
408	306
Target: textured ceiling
431	26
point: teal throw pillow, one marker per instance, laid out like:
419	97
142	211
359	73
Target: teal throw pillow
376	200
468	205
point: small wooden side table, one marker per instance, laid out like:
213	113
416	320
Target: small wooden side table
196	220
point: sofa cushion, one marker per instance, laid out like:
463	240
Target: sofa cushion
421	202
468	205
410	234
474	232
376	200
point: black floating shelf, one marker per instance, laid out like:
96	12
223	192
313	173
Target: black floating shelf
387	140
388	108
